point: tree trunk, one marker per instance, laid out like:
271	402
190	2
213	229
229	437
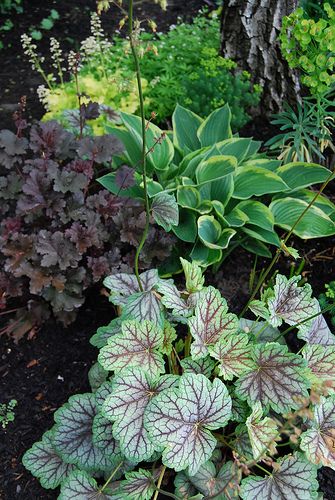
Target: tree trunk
249	31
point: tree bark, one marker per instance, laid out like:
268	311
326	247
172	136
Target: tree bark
249	32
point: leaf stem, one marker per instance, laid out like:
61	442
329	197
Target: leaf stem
144	157
287	237
110	477
159	482
166	493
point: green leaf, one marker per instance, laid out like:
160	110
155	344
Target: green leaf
108	182
278	378
314	224
261	234
45	463
139	484
256	247
261	330
184	489
296	478
187	227
263	433
216	127
185	124
165	210
318	441
205	256
291	303
316	331
193	275
215	168
257	213
234	354
180	420
170	335
79	485
300	175
209	230
210	322
321	361
138	345
96	376
161	153
223	485
263	163
132	390
256	181
204	366
236	146
188	197
73	438
235	218
46	23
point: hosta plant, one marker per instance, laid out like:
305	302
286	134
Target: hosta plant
60	232
228	193
186	390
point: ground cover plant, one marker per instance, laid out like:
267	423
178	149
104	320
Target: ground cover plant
179	66
183	389
228	193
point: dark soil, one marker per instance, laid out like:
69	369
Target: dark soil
41	373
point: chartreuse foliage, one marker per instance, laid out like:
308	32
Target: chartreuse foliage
227	193
183	383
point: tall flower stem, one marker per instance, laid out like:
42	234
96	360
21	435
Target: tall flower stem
143	157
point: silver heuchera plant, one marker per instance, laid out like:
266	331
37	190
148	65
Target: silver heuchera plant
185	384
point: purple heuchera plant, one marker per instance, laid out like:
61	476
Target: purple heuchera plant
60	231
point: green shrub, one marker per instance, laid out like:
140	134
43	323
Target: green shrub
207	398
227	192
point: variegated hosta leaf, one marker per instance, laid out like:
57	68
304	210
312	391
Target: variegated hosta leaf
278	378
180	420
139	344
234	354
296	479
205	366
170	336
263	433
80	486
223	484
45	463
193	275
103	436
139	484
184	489
210	322
317	332
321	361
96	376
318	441
291	303
123	285
132	390
73	438
261	331
100	338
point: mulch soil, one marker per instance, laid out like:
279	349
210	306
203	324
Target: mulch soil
42	372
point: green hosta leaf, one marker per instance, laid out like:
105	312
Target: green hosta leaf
180	420
139	485
210	321
131	393
278	378
123	285
256	247
318	441
96	376
223	484
300	175
256	181
216	127
109	182
291	303
321	361
165	210
234	354
193	275
45	463
205	256
296	478
263	433
138	345
204	366
185	124
317	331
314	224
100	338
73	438
187	227
80	486
257	213
215	168
261	234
